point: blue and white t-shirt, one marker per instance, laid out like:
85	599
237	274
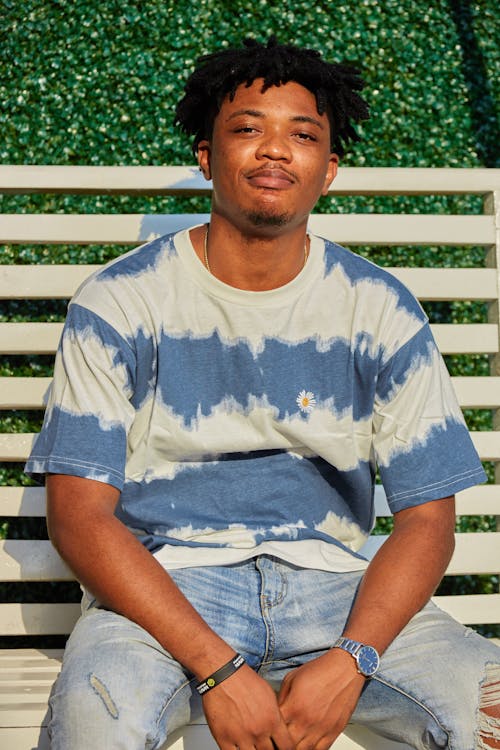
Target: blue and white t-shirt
237	422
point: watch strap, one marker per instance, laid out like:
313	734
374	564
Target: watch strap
347	644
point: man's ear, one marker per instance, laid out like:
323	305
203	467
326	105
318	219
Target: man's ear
203	154
331	172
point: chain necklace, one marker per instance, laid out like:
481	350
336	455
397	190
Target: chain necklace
205	251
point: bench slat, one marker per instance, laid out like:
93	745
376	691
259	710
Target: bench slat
471	609
37	560
59	619
449	283
38	619
15	447
351	229
463	338
61	282
187	179
475	501
404	229
487	445
452	338
31	560
30	659
480	392
23	392
47	281
30	338
84	229
474	553
22	501
483	500
79	180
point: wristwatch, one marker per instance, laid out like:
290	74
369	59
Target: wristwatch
366	657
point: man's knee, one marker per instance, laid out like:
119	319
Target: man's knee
100	708
82	711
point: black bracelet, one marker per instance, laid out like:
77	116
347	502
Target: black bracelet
221	674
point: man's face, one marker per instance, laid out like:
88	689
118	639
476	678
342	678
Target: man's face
269	157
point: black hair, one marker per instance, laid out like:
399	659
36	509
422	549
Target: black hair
335	86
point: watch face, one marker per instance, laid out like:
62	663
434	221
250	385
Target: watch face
368	661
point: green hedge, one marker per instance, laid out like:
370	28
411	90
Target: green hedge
96	83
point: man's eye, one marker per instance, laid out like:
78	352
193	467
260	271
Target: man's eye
245	129
306	137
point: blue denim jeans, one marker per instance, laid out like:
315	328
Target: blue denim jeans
119	688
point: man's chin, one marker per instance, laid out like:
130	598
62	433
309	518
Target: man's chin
267	219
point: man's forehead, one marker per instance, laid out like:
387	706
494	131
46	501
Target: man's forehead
291	95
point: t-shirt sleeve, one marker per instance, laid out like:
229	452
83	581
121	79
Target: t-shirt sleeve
89	411
422	445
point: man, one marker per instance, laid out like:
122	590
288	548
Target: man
219	402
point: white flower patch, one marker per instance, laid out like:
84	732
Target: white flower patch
306	401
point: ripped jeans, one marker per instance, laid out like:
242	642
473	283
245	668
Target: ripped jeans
119	688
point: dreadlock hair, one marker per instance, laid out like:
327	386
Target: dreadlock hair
219	74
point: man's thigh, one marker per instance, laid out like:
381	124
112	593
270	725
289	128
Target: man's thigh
117	688
429	689
431	683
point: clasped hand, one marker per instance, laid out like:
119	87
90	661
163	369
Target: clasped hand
312	708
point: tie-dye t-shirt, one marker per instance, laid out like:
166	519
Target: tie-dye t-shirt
235	422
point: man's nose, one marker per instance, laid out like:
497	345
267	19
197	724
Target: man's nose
274	146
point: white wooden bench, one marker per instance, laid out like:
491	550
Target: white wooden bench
27	674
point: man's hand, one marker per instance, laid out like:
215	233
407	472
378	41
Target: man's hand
317	699
243	712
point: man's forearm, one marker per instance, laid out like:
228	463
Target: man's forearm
404	573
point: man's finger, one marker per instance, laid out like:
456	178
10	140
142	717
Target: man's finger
281	738
284	690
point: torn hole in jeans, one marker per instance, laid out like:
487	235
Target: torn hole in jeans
489	709
103	693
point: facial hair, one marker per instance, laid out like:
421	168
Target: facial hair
264	219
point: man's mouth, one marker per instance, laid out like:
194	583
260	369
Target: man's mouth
272	178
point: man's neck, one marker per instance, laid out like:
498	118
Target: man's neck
250	261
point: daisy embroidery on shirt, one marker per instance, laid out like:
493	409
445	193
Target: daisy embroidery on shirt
306	401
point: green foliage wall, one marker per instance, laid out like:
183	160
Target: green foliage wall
96	81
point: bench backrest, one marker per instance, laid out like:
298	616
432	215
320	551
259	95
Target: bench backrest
476	554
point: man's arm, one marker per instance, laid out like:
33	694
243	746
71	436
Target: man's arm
124	576
317	699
